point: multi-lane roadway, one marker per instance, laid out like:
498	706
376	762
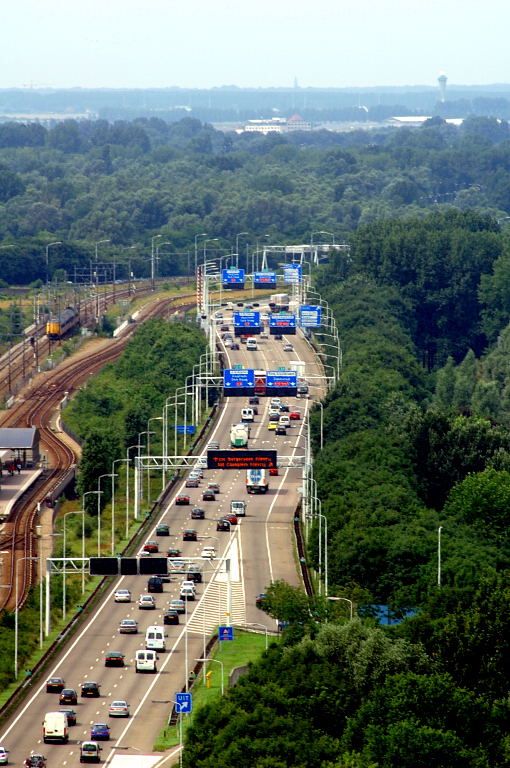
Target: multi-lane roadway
260	549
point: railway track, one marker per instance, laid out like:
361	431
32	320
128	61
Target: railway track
36	409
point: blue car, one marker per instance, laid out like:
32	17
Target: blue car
100	732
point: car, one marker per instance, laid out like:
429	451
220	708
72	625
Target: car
278	336
128	627
234	346
71	716
253	400
68	696
90	752
118	708
231	517
90	690
170	617
114	659
151	546
273	471
294	415
181	500
214	487
100	732
275	402
155	584
243	339
255	410
146	603
197	472
272	425
163	530
260	600
189	535
263	335
224	327
213	445
284	408
187	593
143	553
192	482
208	495
164	577
177	605
288	348
284	420
35	760
55	684
189	583
194	573
173	552
223	525
4	756
274	416
122	596
197	513
208	553
240	304
178	564
281	430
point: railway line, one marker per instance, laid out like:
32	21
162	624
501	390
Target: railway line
35	409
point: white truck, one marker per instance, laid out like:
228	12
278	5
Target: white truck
239	434
256	481
247	415
279	301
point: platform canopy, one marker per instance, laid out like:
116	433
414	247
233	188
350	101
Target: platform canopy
18	438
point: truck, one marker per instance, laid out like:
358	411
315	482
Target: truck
279	302
256	481
239	434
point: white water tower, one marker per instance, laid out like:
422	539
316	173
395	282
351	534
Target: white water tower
442	80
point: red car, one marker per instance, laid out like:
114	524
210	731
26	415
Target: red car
294	415
181	500
273	471
151	546
232	519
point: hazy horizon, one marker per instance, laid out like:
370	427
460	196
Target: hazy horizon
118	44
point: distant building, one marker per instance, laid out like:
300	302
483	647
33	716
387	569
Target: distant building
46	118
442	80
277	125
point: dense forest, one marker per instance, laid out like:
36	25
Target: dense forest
82	182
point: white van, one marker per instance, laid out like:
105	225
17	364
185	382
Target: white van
251	344
155	639
284	420
247	414
145	661
55	727
238	508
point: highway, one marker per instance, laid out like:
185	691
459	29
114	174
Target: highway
260	548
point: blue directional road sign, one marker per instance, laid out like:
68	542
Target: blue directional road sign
183	703
233	277
233	379
280	379
292	273
264	280
310	316
246	319
225	633
186	429
282	320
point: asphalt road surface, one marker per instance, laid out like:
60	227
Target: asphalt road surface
260	549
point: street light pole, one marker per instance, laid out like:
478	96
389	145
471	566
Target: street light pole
152	418
239	234
20	560
322	422
153	269
439	555
216	661
56	242
345	599
73	512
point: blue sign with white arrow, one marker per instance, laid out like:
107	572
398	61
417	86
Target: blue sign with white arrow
246	319
225	633
264	280
279	379
186	429
232	277
183	703
234	379
310	316
292	273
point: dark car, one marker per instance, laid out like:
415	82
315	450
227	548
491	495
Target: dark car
194	574
280	430
155	584
170	617
113	659
165	577
224	327
68	696
223	525
278	336
189	535
192	482
163	530
55	684
100	732
214	487
208	495
90	690
284	408
71	715
197	513
260	600
181	500
173	552
253	400
151	546
235	346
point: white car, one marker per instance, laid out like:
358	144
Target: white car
146	602
187	593
288	348
122	596
4	756
189	584
118	708
208	553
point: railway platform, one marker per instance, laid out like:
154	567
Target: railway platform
14	486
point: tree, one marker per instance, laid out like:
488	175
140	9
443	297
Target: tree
99	451
287	603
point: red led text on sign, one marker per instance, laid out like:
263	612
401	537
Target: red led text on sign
241	459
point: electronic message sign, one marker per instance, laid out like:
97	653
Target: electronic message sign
283	322
238	382
261	459
281	383
292	273
232	278
246	323
264	280
310	316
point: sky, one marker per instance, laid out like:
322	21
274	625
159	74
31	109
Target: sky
252	43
